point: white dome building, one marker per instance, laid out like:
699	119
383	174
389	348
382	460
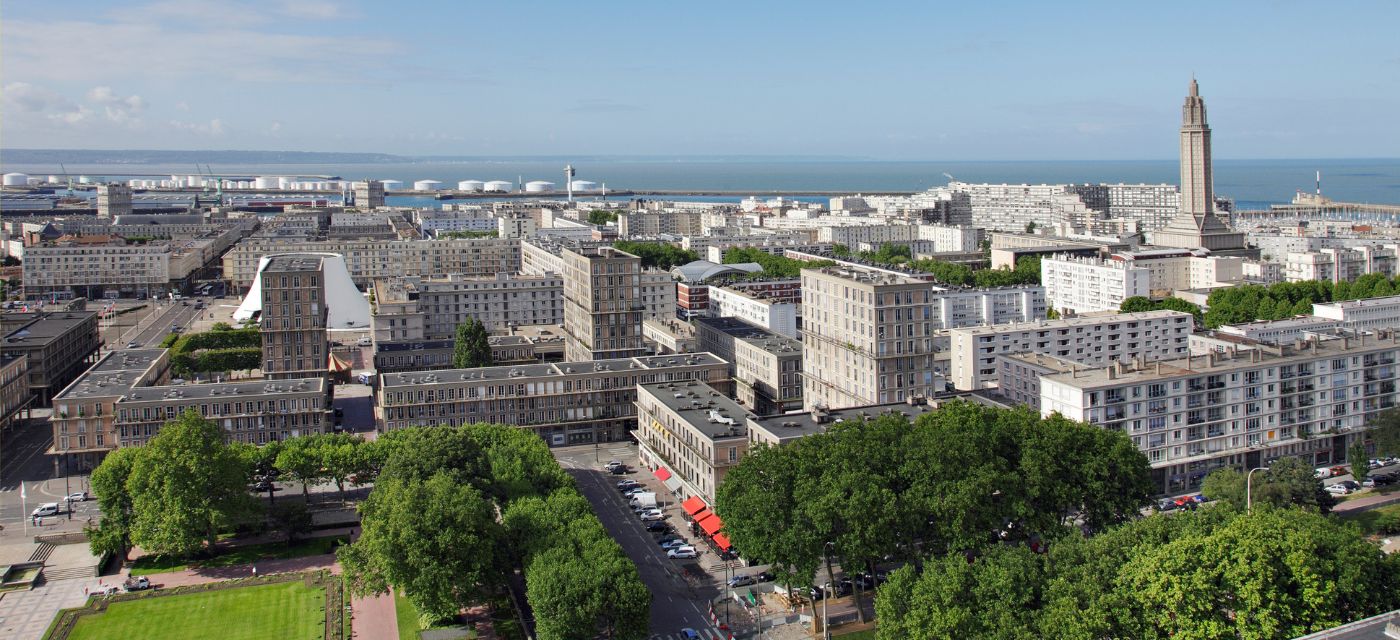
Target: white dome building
392	185
265	182
346	308
16	179
497	186
538	186
471	185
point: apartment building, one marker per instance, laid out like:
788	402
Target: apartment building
294	314
515	227
658	294
413	307
1365	314
1281	331
564	403
1084	285
603	306
719	335
15	398
370	259
951	238
874	234
768	373
669	335
459	217
369	194
867	338
255	412
1088	340
693	432
1191	416
85	412
56	347
113	200
1152	206
777	313
1340	264
649	224
93	266
692	299
522	345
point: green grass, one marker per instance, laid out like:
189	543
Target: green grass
867	634
230	556
407	616
288	610
1367	519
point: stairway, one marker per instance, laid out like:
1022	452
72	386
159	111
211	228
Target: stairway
42	553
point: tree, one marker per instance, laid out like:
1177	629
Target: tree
995	596
1286	482
435	539
301	459
109	485
518	462
602	216
472	347
1385	432
341	457
1356	458
186	484
1030	227
657	255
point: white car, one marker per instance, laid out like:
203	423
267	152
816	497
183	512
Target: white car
44	510
683	552
652	514
80	496
1337	489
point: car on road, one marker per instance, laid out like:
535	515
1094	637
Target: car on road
46	509
683	552
618	470
1337	489
80	496
133	345
1340	470
764	576
690	634
741	581
613	464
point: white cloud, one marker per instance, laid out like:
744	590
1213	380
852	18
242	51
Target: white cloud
275	128
31	99
121	110
182	106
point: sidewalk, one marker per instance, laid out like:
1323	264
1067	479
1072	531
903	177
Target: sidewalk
1367	503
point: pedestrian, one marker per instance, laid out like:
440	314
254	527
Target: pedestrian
255	571
41	521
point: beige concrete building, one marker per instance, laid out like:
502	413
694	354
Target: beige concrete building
15	398
1196	224
113	200
564	403
603	304
56	346
428	308
91	266
294	313
370	259
255	412
369	194
768	373
692	431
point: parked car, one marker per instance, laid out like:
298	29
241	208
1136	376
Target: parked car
1337	489
364	342
623	485
634	491
1350	484
613	463
690	634
658	527
618	470
671	543
1340	469
80	496
843	588
764	576
1167	504
1322	473
684	552
1386	478
137	584
652	515
741	581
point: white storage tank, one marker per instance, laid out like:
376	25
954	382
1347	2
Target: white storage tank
283	182
265	182
56	180
392	185
497	186
470	185
538	186
16	179
427	185
584	185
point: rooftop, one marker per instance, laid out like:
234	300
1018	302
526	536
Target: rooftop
1078	321
781	345
206	391
1362	303
805	423
114	375
41	327
548	370
294	262
705	409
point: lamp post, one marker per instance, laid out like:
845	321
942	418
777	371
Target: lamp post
1249	488
826	627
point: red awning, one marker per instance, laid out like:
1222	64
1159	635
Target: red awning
661	474
722	541
693	505
711	524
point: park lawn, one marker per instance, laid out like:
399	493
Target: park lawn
231	556
866	634
289	610
1367	519
407	616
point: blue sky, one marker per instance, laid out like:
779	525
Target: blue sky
916	80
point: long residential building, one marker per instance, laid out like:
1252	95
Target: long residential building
370	259
1088	340
412	307
56	346
1084	285
1340	264
1191	416
777	313
1367	313
564	403
97	265
693	432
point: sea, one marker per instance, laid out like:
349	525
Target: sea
1251	183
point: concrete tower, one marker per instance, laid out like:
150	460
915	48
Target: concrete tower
1195	225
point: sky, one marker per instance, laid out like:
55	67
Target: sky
879	80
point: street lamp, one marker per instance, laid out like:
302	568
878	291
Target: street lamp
1249	488
826	621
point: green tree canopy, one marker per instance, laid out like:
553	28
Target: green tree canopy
1286	482
109	485
472	347
185	485
657	255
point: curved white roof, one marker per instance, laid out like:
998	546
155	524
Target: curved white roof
702	270
347	308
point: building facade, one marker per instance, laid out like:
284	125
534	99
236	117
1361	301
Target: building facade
370	259
56	346
777	313
1365	314
603	305
294	313
692	431
1084	285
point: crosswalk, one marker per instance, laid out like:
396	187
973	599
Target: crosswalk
707	633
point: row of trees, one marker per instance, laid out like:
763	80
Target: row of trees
774	266
467	235
455	509
221	349
189	483
959	480
1210	573
1138	304
1233	305
602	216
1027	270
658	255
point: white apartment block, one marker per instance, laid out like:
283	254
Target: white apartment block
1262	272
1366	314
1194	415
1340	265
972	307
949	239
515	227
1280	331
754	307
867	338
90	265
414	308
371	259
658	295
1088	340
649	224
1084	285
1150	205
455	217
876	234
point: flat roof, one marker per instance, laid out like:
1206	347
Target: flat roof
224	390
774	343
1364	302
705	409
294	262
114	375
734	327
45	326
546	370
1078	321
799	424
